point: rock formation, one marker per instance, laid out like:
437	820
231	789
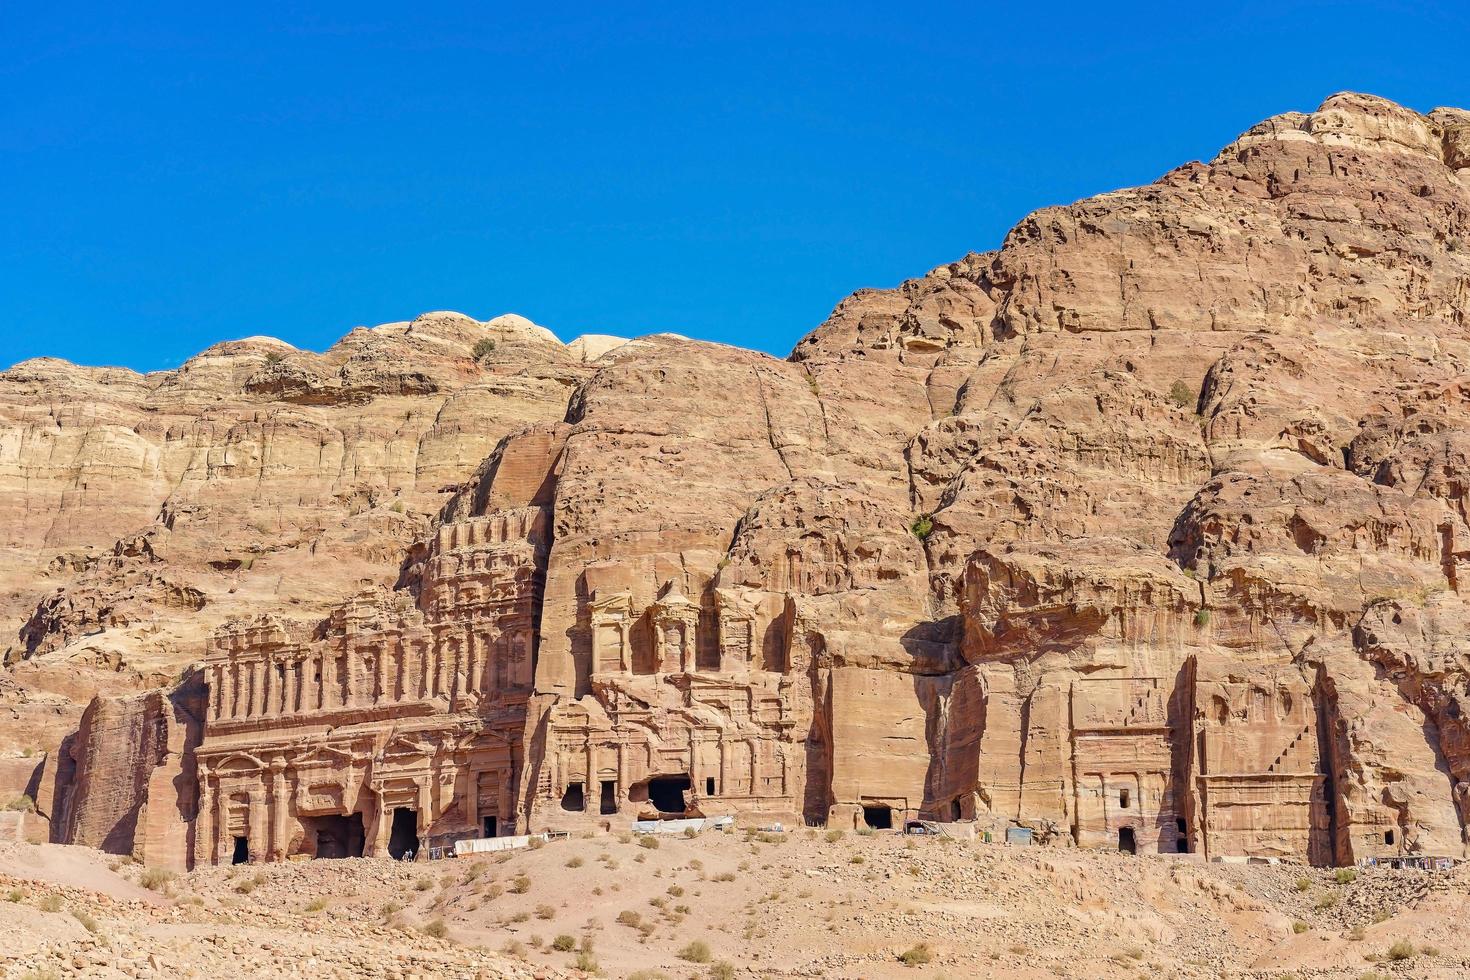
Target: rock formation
1141	532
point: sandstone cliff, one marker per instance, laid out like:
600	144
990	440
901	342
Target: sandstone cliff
1143	531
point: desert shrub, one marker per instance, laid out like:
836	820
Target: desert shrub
690	833
1401	950
520	884
437	929
675	891
390	908
483	348
922	526
155	878
865	831
51	903
423	884
856	859
587	963
316	905
629	918
649	841
833	836
88	923
1357	934
536	843
1299	927
1202	618
722	971
545	912
1346	876
575	862
14	895
22	802
1326	901
1181	395
916	955
696	952
564	943
1302	884
513	948
724	876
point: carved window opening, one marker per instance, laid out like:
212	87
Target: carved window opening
878	817
403	838
666	793
609	802
1388	837
574	800
1123	799
1127	844
488	826
709	786
242	851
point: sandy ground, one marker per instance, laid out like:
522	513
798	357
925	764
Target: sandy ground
730	905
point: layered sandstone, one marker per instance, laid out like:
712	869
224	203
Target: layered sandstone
1141	532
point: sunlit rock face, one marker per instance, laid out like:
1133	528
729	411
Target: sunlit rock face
1142	532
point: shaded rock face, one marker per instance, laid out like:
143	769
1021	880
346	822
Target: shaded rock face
1142	532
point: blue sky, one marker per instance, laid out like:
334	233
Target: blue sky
184	174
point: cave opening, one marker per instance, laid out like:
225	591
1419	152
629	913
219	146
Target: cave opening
878	817
338	836
1127	843
574	800
403	836
666	793
242	851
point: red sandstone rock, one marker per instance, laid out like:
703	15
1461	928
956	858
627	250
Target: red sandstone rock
1143	531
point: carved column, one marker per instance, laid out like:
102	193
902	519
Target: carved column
591	771
380	674
257	689
349	676
471	671
724	766
279	813
205	846
222	822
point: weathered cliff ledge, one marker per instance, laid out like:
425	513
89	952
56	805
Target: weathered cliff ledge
1143	531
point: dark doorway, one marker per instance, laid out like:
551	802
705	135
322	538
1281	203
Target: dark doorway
878	817
609	802
1126	842
574	800
488	826
1182	844
666	793
242	851
1388	837
338	836
403	838
709	786
954	810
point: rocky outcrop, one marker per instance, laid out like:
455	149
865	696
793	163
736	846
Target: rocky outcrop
1141	532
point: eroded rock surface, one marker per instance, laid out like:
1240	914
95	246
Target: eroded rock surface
1141	532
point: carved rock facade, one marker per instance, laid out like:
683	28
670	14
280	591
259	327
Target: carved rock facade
1145	531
